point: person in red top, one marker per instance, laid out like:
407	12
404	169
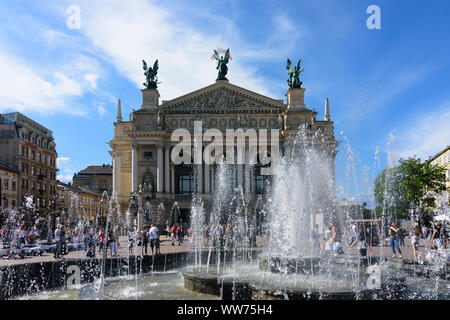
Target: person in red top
334	234
172	234
101	239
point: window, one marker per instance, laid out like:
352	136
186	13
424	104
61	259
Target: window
185	184
13	187
39	157
5	203
6	184
148	155
33	155
260	183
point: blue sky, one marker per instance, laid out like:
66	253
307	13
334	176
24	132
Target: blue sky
389	89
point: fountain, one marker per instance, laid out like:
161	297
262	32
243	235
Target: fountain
292	265
267	246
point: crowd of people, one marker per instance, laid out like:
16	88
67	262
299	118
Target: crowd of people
228	236
19	236
362	237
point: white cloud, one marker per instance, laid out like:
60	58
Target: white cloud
91	79
44	89
101	110
66	170
125	34
425	135
22	88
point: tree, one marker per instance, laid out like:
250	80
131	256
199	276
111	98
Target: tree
420	179
407	186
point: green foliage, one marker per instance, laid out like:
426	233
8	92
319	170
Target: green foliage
405	187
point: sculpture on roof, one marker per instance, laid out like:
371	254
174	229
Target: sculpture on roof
222	62
294	75
150	73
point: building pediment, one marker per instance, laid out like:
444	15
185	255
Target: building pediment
222	97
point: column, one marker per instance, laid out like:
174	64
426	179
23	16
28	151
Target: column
247	173
239	176
213	177
159	169
199	178
166	171
113	177
134	168
207	179
116	173
173	180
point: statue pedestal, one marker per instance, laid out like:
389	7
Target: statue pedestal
296	99
150	99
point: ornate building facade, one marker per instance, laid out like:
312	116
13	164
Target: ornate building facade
30	147
142	146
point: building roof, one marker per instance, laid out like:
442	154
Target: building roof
438	154
105	169
23	120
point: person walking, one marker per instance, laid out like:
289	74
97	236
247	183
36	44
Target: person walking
112	243
59	238
179	234
173	231
440	235
145	238
131	237
393	238
401	236
205	235
361	243
101	239
168	233
154	239
86	239
415	237
21	236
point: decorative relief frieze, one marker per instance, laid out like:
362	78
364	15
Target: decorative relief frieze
220	100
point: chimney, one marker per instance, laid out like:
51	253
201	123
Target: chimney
327	110
119	112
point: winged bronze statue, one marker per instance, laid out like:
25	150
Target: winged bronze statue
150	73
222	62
294	74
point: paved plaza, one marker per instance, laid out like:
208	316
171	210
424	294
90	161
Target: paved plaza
166	247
